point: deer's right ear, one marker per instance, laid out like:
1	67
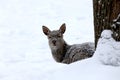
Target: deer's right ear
46	31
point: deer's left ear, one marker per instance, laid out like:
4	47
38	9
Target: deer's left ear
62	28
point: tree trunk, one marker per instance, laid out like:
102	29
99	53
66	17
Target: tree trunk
105	14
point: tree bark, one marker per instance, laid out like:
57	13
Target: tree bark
105	13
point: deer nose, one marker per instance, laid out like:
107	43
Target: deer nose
54	41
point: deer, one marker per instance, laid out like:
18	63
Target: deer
63	52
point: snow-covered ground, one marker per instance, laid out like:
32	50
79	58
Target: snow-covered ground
104	65
24	50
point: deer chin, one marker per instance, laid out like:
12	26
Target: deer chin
54	47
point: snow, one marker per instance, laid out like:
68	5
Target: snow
89	69
24	50
108	50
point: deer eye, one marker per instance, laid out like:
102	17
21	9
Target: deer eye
49	37
59	36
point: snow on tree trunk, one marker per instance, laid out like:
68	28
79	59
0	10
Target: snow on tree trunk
105	11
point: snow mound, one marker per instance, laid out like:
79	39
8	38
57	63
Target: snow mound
108	50
88	69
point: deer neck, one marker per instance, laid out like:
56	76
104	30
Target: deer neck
58	53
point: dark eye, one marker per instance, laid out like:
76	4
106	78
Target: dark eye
59	36
49	36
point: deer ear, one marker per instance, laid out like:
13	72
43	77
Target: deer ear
62	28
46	31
